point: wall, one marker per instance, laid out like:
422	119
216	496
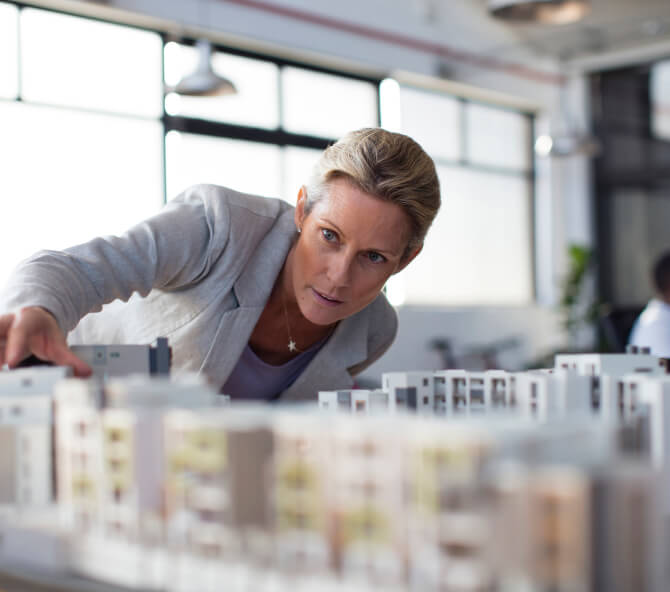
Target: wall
528	333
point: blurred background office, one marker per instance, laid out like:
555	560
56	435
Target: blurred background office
549	122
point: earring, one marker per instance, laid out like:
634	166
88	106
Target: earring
299	229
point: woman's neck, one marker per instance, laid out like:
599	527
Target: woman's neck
282	323
302	329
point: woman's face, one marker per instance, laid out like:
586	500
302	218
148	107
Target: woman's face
349	245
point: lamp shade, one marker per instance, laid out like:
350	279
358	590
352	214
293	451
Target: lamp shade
204	82
539	11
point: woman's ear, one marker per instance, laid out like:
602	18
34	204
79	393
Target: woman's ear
299	215
405	262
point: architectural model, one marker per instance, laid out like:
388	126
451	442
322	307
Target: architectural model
436	482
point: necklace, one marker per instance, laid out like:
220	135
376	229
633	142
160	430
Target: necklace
292	347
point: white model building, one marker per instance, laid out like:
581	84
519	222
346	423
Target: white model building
448	526
356	400
217	490
184	391
335	400
410	390
197	494
301	494
644	405
130	525
464	392
545	395
628	501
111	472
500	389
610	364
451	396
78	441
369	546
519	485
132	479
119	360
26	469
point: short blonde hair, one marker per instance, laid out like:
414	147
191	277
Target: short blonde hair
385	164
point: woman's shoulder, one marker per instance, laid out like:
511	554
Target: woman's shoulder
383	320
225	201
239	227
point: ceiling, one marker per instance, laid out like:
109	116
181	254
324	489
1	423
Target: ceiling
611	25
467	29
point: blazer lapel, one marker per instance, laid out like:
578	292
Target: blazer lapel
230	339
252	290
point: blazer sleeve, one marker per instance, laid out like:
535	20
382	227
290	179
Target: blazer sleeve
175	248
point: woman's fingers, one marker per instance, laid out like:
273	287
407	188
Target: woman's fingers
63	356
5	323
16	346
35	331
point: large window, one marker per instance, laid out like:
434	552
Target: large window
479	249
81	152
80	63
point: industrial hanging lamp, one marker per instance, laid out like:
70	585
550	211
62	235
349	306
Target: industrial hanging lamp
539	11
203	81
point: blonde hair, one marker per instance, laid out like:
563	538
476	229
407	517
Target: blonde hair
388	165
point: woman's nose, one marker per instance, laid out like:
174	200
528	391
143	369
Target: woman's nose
339	270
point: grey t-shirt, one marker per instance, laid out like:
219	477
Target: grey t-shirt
254	379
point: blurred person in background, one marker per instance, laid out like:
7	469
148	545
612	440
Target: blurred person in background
652	327
266	300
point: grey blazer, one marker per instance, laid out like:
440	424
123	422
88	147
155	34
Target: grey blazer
199	273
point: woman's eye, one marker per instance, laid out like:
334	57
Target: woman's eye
329	235
375	257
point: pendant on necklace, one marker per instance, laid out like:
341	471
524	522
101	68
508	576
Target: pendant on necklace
291	346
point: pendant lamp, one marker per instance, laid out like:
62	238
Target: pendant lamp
204	82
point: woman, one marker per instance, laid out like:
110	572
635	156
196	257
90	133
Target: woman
266	300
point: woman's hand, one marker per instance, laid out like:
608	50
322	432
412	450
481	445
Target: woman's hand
34	330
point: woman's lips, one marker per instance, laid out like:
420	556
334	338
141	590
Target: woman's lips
325	300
